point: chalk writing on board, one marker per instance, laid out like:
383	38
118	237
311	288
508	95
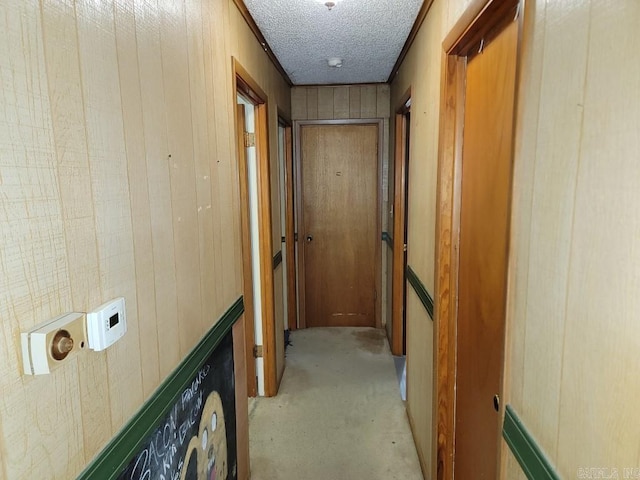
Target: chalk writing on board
196	439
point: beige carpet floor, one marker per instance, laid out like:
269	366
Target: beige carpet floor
338	415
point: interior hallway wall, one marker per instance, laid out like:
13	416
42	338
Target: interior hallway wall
572	310
574	307
118	178
421	71
351	102
244	46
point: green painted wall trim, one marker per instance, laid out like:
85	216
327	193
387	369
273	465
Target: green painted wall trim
387	238
531	458
421	290
277	259
120	450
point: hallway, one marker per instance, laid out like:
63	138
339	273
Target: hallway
338	414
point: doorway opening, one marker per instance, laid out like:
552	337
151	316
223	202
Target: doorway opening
472	237
255	201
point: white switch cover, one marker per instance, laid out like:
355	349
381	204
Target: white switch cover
106	324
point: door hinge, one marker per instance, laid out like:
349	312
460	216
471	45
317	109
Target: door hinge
257	351
375	294
249	139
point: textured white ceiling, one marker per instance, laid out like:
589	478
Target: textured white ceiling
367	34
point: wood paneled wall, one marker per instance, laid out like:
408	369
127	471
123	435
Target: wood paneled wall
574	305
352	101
344	102
420	71
117	178
572	309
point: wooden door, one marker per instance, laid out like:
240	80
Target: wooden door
339	167
484	243
400	231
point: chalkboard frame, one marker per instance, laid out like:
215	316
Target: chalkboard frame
123	447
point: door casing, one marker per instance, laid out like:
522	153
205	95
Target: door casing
481	22
290	241
246	86
297	125
398	279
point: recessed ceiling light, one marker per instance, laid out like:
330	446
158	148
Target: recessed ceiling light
335	62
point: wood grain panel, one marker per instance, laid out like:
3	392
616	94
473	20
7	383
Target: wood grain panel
107	160
354	102
368	101
338	168
196	18
532	50
484	235
221	128
341	102
158	181
557	151
59	29
180	145
312	104
605	29
298	103
598	425
34	272
421	72
228	184
133	124
94	93
383	101
331	102
420	380
325	103
447	232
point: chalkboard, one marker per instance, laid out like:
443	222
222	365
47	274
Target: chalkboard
197	438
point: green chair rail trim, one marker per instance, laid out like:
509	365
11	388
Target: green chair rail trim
531	458
388	239
421	290
277	259
110	462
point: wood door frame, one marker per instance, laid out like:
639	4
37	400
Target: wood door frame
482	21
245	85
297	126
290	233
398	279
